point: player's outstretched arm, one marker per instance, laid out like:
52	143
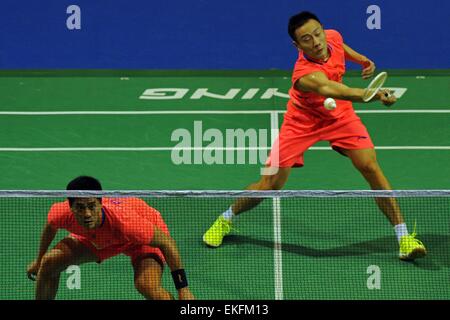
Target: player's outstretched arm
367	64
319	83
169	248
48	234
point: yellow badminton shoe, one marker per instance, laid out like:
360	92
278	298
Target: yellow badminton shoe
411	248
214	236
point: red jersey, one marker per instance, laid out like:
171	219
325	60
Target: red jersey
333	68
126	222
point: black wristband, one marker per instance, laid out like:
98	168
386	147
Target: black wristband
179	278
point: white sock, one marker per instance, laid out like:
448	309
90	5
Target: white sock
228	215
401	230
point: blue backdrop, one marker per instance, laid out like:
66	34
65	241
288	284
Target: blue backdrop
213	34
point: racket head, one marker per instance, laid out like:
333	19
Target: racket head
374	86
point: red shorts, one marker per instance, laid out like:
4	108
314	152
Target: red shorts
300	131
135	252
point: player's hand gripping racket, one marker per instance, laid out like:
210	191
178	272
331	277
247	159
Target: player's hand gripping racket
374	86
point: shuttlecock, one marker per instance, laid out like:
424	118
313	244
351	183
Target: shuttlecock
329	104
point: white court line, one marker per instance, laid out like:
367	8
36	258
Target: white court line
274	130
69	149
132	149
157	112
277	253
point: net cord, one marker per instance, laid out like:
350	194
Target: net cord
224	193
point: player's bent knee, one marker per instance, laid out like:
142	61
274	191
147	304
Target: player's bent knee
148	291
142	285
50	265
158	294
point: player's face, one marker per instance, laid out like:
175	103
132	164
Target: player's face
311	39
87	211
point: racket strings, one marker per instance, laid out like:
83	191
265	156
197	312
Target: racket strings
374	86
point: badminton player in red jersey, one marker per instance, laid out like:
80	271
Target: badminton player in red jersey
318	75
101	228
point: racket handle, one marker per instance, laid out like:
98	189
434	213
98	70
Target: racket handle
32	276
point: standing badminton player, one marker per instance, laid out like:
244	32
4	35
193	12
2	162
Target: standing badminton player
318	75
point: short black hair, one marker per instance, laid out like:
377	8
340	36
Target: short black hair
298	20
83	183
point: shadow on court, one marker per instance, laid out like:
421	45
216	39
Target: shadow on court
438	247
